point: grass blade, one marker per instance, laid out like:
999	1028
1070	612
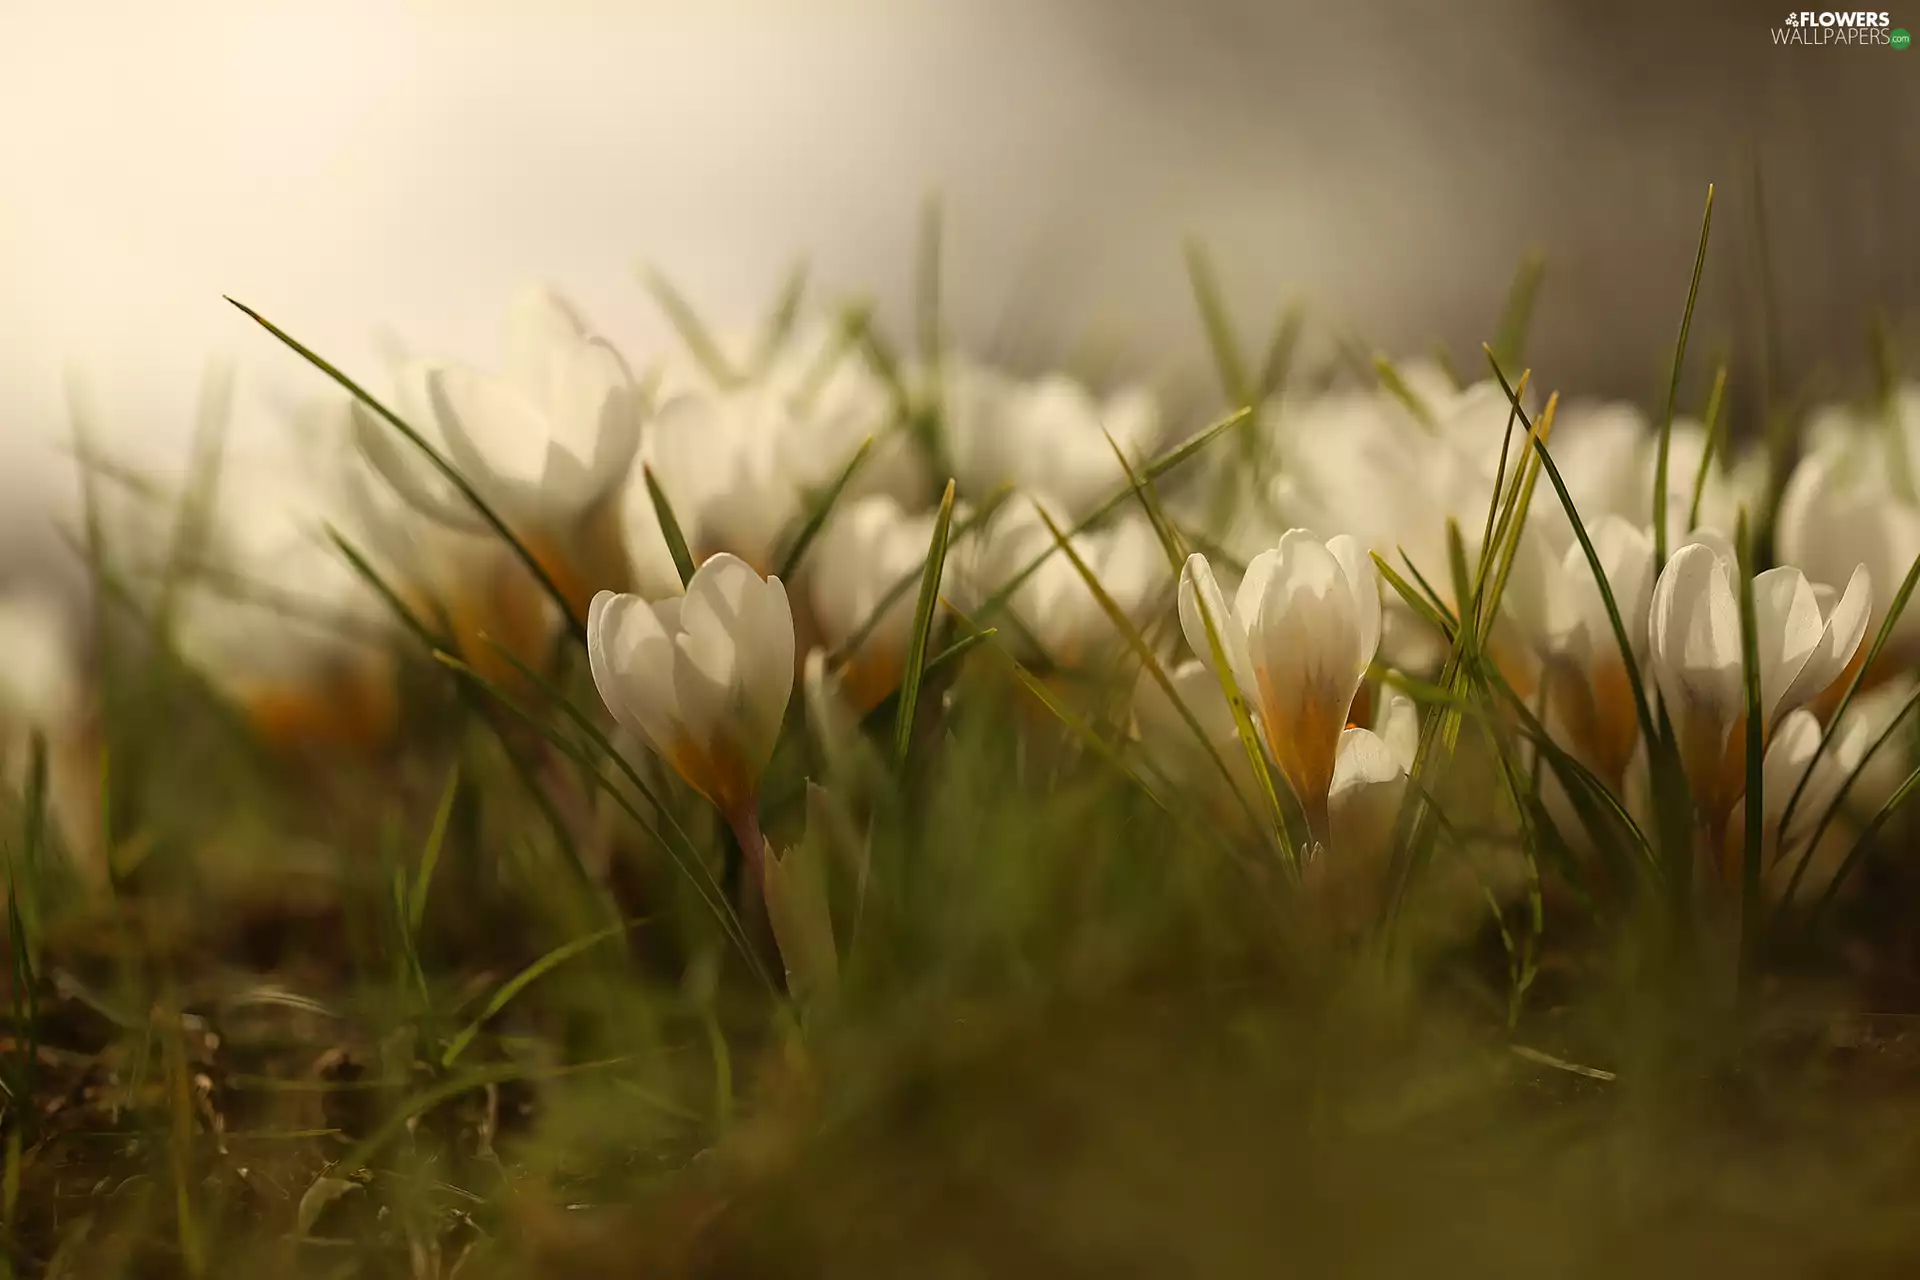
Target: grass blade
923	618
1673	391
481	506
430	856
1516	318
669	526
525	978
1149	661
1840	798
691	328
780	322
1218	325
822	509
1859	847
1715	402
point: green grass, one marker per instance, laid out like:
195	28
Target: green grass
488	997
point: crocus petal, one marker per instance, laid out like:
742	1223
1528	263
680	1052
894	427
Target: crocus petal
1845	628
1364	580
1198	585
631	657
1787	629
1307	662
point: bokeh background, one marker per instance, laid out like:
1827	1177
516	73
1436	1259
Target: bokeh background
378	173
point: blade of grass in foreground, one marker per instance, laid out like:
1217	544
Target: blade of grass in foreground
669	526
1840	798
1673	391
923	618
452	474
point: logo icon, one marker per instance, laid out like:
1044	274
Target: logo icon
1899	38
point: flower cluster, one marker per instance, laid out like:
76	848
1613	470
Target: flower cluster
1291	606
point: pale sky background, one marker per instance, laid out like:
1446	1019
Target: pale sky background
357	166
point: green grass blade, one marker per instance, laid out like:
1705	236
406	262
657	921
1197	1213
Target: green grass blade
781	320
1840	798
194	520
923	619
822	509
1151	472
525	978
1715	403
1073	723
1859	846
1249	736
1402	391
1427	610
1673	390
430	855
1218	324
1277	369
669	526
575	626
1516	317
1642	707
691	328
1149	661
391	598
685	858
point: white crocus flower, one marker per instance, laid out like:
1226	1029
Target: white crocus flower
1053	604
1696	657
1839	509
1794	755
1587	679
1303	628
717	459
1369	782
544	442
1047	437
867	548
704	678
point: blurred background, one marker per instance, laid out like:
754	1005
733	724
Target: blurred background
370	173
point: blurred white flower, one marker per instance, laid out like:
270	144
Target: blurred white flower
1304	626
1608	454
867	547
269	612
543	442
717	459
1053	604
1046	437
1841	508
1589	692
704	678
1696	657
